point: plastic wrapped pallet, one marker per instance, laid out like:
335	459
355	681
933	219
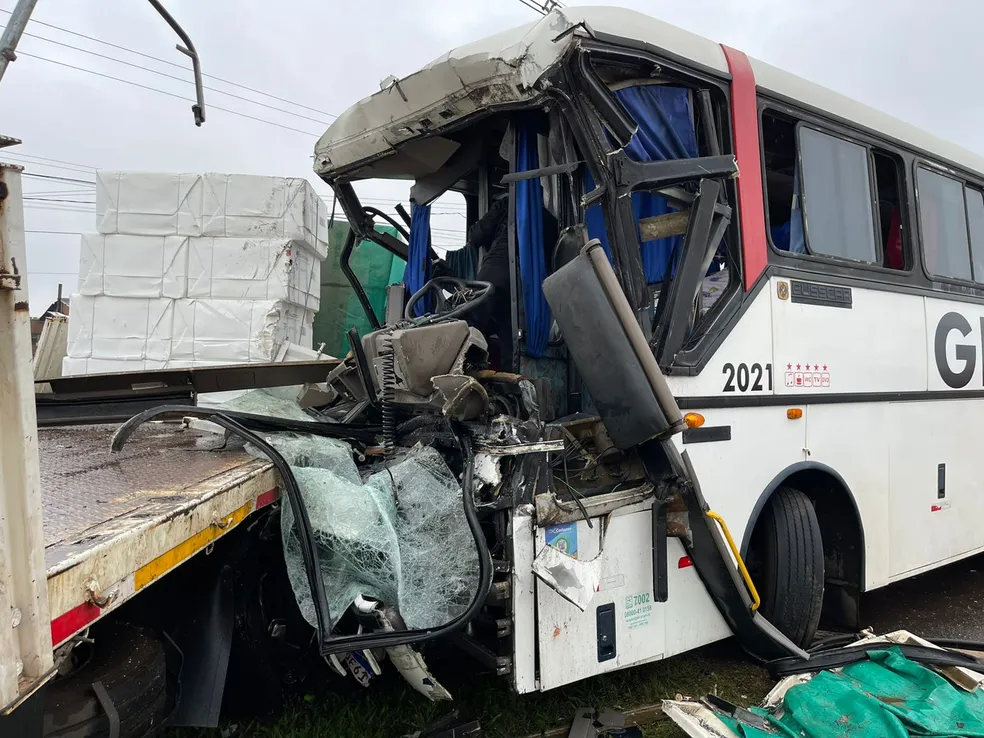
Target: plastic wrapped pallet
237	331
133	266
254	269
149	203
120	328
254	206
217	205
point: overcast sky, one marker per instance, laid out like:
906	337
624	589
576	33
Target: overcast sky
915	60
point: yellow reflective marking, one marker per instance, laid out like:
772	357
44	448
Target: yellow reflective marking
167	561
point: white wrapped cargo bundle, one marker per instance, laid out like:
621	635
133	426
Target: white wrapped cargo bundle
243	205
254	269
149	203
154	333
133	266
119	265
237	331
217	205
120	328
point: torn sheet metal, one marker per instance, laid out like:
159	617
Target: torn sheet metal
574	580
502	70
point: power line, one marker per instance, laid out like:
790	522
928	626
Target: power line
55	233
58	179
163	92
57	161
175	77
50	199
173	64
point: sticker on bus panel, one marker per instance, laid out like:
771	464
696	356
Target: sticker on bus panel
747	377
807	376
563	538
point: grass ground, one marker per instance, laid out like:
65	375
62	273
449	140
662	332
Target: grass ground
391	709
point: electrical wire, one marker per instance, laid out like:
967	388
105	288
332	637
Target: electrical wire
175	77
163	92
172	64
31	198
55	233
52	177
66	164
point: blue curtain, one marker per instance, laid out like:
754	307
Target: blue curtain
463	262
529	237
418	270
666	131
789	236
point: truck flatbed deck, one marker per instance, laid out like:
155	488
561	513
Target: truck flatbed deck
115	523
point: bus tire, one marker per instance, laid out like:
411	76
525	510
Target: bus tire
131	665
790	565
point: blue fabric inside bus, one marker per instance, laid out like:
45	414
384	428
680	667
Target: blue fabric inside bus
418	270
788	236
529	241
665	132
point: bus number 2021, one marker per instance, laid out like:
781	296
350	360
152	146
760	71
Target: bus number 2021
745	378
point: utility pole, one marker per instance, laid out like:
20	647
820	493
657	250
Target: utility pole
13	31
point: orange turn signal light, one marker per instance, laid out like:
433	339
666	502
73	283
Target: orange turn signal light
794	413
693	420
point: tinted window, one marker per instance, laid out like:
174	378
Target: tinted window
943	222
975	215
837	197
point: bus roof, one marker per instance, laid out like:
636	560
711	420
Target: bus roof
503	70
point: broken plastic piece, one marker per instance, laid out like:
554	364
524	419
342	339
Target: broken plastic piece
574	580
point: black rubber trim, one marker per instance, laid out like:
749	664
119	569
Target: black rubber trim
708	434
329	644
840	657
350	431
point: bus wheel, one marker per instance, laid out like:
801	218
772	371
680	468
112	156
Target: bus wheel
787	565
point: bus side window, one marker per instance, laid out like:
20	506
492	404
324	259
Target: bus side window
944	206
852	191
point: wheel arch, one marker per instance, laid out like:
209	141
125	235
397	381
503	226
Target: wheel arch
842	534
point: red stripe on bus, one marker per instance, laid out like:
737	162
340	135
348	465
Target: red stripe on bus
751	200
65	626
267	498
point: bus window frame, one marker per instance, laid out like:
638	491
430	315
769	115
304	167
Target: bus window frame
933	167
872	197
617	210
864	138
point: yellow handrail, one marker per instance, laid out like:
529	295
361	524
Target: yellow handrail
756	600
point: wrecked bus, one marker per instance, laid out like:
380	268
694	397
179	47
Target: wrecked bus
701	251
658	407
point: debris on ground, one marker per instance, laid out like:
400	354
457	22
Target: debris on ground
589	723
896	685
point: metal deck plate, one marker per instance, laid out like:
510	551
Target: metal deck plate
90	495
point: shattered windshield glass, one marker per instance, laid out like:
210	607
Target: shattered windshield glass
399	535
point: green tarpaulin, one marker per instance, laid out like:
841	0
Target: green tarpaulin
340	309
885	697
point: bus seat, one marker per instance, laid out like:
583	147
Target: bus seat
893	244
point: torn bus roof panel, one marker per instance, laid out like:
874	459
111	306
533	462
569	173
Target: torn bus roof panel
500	70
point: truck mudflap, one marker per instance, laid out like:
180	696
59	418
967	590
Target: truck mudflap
621	374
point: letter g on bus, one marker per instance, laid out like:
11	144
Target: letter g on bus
965	353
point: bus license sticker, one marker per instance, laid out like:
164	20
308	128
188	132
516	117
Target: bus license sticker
563	538
638	610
